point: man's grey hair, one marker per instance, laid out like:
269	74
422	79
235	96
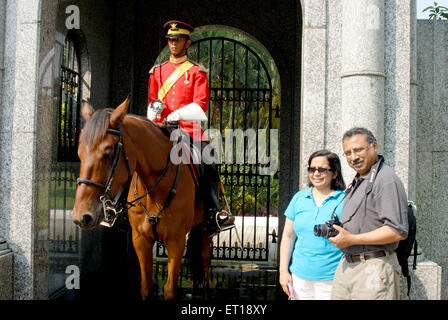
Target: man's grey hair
358	130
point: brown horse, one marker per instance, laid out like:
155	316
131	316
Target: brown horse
113	147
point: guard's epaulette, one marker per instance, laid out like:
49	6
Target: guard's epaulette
201	67
155	66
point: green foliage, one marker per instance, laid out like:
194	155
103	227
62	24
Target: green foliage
437	12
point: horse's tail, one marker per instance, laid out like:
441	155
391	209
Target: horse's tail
197	257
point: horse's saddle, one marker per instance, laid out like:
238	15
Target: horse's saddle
191	154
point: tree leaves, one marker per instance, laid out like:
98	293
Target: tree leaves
437	12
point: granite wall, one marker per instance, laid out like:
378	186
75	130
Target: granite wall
432	146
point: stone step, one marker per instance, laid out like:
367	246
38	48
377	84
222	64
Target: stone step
4	247
4	252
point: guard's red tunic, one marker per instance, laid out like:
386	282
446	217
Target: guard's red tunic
192	86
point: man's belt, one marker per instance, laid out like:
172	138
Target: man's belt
351	258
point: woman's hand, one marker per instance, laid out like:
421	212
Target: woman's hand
285	279
286	247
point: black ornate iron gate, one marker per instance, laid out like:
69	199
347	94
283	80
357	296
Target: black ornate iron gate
241	108
64	235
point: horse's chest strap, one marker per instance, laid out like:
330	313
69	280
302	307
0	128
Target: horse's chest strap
153	222
154	218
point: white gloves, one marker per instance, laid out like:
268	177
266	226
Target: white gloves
174	116
190	112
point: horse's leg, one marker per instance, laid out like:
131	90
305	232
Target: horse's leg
175	248
143	248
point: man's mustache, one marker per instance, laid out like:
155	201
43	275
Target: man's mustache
357	161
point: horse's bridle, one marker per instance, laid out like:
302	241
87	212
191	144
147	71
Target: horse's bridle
113	206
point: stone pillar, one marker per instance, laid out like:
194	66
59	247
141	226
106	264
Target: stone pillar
17	143
2	41
314	59
399	114
362	71
23	112
4	132
412	170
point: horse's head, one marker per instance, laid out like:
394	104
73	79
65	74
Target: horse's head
97	150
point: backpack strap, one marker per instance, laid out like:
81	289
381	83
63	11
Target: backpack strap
414	264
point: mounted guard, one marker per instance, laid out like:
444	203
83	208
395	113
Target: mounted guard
178	91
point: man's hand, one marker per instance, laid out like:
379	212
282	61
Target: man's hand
174	117
380	236
343	240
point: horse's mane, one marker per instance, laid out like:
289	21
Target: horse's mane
95	129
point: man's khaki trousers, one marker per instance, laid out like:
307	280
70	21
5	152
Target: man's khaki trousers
372	279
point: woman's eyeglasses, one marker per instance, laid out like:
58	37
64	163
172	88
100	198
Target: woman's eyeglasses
324	171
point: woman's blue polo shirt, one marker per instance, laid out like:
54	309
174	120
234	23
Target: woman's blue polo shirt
313	258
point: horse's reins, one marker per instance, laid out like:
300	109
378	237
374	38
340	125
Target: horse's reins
113	208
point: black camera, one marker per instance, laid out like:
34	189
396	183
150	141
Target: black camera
326	229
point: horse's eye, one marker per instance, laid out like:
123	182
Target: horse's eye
108	151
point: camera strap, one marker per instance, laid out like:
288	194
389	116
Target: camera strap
373	174
334	216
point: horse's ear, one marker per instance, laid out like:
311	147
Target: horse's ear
86	110
118	114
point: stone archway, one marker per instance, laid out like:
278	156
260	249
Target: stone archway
276	24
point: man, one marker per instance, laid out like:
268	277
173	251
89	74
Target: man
178	91
372	224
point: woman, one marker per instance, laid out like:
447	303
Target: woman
314	259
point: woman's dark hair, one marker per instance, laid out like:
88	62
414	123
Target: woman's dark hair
335	165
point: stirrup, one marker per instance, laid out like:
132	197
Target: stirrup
225	227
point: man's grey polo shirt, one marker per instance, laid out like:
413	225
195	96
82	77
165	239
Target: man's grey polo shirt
386	205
